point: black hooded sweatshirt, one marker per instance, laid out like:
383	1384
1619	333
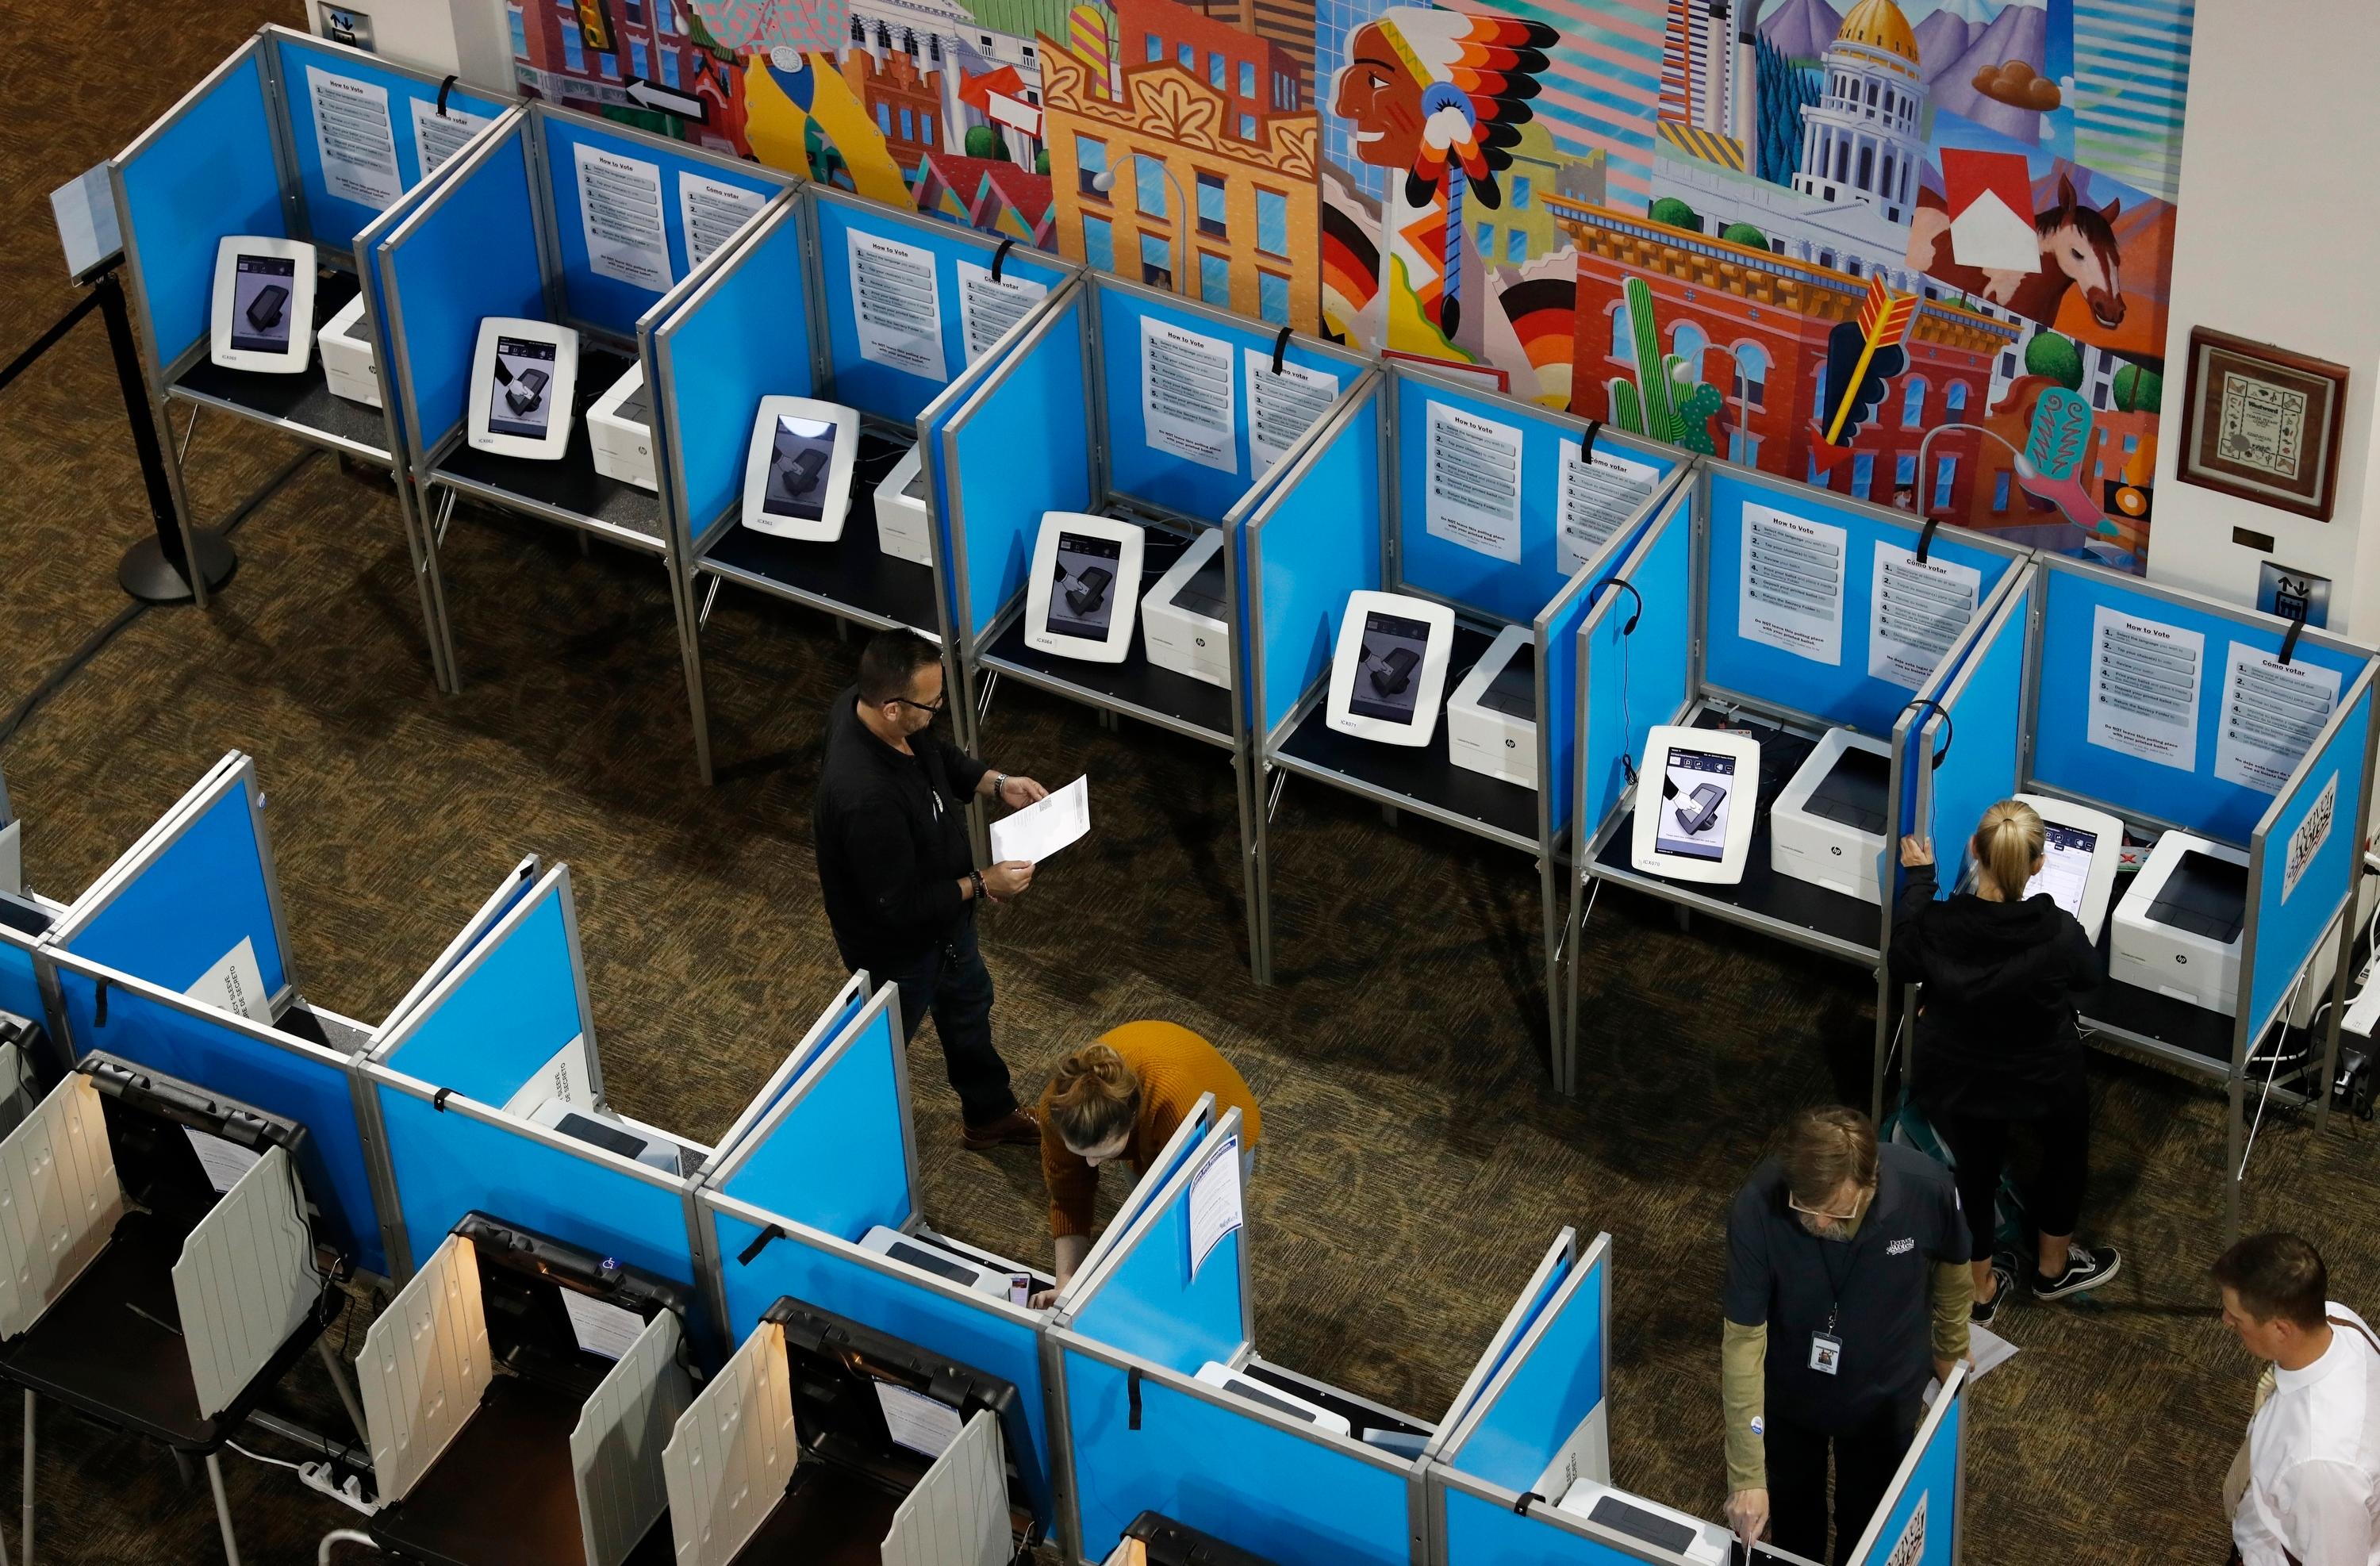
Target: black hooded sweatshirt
1996	1033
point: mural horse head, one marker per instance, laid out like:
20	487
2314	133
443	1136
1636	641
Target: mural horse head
2080	242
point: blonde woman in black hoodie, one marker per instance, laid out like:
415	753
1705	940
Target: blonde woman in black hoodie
1997	1045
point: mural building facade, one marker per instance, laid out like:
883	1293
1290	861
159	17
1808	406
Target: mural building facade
1663	213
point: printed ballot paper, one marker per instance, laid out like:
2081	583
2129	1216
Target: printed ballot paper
1045	826
1987	1351
1215	1206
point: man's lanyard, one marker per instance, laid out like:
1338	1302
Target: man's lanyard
1834	1280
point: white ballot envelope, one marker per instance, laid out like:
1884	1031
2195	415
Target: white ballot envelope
1045	826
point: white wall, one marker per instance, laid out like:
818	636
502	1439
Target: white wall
469	38
2279	241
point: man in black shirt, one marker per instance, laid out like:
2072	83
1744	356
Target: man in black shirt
899	874
1847	1286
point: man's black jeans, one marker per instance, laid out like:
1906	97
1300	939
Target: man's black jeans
950	981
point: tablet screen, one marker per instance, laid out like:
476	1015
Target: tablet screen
1693	813
1387	680
800	457
1082	597
261	290
2064	863
519	404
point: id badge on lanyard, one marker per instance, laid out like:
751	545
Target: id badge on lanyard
1826	1352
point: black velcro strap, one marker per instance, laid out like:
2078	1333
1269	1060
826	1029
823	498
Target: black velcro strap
1520	1506
759	1243
1280	346
1132	1393
438	1099
2289	642
1925	537
99	1007
1000	257
444	87
1586	445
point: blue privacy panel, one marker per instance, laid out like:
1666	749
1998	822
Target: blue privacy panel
1503	590
748	338
1638	679
606	302
1152	1306
873	386
1553	1387
191	903
473	256
1840	691
836	1159
20	992
1320	541
1985	733
210	173
306	1085
332	218
2315	834
1296	1503
788	1075
1025	449
981	1339
2063	755
1555	1278
1921	1521
1489	1533
505	1018
1162	475
447	1163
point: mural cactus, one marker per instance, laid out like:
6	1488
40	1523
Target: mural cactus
1671	404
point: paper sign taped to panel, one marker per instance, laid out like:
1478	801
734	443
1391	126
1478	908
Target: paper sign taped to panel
988	308
1916	609
1598	496
620	217
1215	1203
1473	496
2271	715
236	984
1187	397
358	145
1790	586
897	303
2144	679
714	213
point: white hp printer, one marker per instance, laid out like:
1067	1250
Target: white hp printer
1827	828
1491	719
1186	625
904	527
2177	931
983	1274
345	352
619	429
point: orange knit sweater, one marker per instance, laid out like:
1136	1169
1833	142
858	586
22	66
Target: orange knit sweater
1175	1066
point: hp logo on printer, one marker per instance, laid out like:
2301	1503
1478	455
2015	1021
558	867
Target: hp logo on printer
1836	849
1510	745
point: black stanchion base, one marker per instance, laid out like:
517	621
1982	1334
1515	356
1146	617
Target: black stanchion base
146	575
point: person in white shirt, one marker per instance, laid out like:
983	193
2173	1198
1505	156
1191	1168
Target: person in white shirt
2309	1495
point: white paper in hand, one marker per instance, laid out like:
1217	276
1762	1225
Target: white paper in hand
1987	1349
1045	826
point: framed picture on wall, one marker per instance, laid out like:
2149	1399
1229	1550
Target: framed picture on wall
2262	423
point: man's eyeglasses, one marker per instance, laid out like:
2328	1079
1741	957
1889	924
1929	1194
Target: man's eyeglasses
934	706
1822	1216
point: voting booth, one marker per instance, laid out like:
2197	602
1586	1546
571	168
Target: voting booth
177	960
486	1089
893	316
2240	747
819	1201
1495	516
1803	633
290	138
581	233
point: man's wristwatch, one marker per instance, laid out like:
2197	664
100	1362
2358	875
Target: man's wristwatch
1000	786
976	876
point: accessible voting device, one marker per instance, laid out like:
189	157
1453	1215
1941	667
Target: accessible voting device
346	352
602	1129
1695	798
1083	587
2177	931
1663	1527
522	379
1388	676
1491	719
904	527
798	469
620	431
1186	624
1265	1394
264	316
1827	828
2079	851
1000	1280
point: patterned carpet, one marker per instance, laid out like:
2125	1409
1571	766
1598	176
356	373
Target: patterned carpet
1416	1163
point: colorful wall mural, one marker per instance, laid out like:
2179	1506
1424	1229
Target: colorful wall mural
1688	217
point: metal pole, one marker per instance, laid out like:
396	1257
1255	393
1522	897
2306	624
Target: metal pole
154	570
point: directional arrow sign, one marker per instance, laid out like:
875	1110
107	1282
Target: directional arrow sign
666	100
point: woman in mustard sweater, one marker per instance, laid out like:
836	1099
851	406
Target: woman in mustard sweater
1123	1097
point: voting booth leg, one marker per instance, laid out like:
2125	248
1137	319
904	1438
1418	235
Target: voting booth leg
1556	934
2234	1170
689	648
223	1507
2338	971
1244	775
414	517
347	1398
180	562
1262	800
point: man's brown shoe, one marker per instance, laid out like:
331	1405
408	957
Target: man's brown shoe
1017	1128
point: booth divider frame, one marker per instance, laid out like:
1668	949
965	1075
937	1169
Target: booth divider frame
693	562
430	457
1550	847
1701	693
348	437
981	672
2245	1029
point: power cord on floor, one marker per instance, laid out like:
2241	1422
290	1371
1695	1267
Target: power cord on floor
92	645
